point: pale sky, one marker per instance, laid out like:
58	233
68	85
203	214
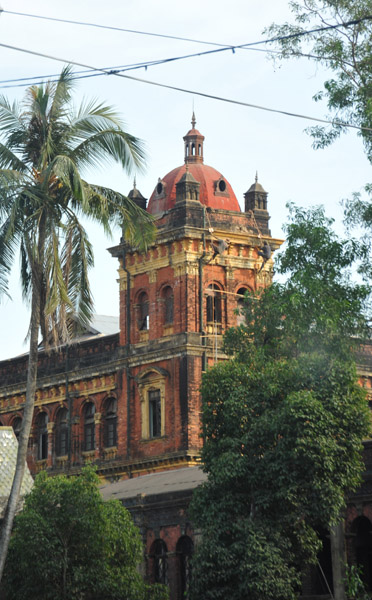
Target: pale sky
238	140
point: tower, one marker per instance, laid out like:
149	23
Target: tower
177	300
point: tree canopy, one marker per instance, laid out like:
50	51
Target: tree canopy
68	543
345	51
283	422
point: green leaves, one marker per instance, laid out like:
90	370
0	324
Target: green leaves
346	51
283	421
92	546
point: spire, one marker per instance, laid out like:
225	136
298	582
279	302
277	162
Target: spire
256	178
193	144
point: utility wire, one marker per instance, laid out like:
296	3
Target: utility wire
187	91
221	48
224	46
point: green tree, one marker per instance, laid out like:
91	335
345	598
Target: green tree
69	544
345	51
45	146
283	422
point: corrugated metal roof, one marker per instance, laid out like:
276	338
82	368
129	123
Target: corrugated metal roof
155	483
8	457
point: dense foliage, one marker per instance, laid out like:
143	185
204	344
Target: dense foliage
283	422
69	543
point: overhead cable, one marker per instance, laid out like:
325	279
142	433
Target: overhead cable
187	91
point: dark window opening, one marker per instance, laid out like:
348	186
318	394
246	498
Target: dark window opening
222	185
362	527
214	312
240	306
110	436
62	432
160	562
154	413
168	305
185	549
89	427
159	188
42	436
143	309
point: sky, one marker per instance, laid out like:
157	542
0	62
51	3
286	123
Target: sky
239	141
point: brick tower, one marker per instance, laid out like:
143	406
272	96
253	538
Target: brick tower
178	299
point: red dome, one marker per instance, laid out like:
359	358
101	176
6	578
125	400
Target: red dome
215	190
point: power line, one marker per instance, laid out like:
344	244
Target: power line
187	91
221	46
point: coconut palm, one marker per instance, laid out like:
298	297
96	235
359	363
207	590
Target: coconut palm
45	147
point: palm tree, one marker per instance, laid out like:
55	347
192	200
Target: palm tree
42	199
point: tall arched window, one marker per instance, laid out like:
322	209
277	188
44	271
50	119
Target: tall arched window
61	432
42	436
89	427
214	308
168	305
240	319
17	424
143	312
159	556
184	550
110	431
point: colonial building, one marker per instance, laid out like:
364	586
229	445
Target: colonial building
125	396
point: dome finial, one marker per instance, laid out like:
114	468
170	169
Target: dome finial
134	183
193	120
256	178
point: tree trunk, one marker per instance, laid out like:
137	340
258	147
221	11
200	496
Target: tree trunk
14	496
338	561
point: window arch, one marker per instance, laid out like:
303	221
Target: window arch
168	305
61	432
17	424
110	423
214	307
160	562
184	550
143	312
89	427
42	436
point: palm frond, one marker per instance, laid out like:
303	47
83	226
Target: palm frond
9	160
110	144
10	116
137	225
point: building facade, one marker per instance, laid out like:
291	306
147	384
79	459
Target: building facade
127	399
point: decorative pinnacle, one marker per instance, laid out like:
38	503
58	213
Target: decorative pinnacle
134	183
193	120
256	178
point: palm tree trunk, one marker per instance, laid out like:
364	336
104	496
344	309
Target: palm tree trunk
13	500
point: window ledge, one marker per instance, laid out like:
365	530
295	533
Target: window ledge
158	438
110	453
167	329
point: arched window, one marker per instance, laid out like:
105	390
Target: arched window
110	432
184	550
143	312
240	320
154	413
89	427
214	311
61	435
168	305
159	555
42	436
193	149
17	424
